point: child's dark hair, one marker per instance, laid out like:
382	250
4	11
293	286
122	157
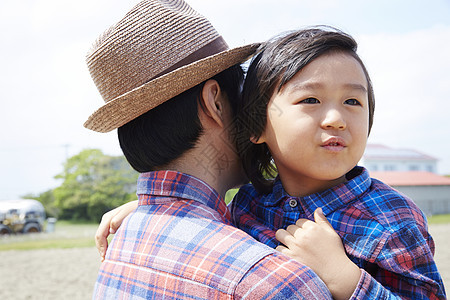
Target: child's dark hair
166	132
277	61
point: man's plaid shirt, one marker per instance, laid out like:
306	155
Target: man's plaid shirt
180	244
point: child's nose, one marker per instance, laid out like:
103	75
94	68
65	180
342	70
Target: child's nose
334	119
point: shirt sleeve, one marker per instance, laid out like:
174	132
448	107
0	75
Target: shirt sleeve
404	269
277	276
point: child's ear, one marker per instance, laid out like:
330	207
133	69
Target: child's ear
212	102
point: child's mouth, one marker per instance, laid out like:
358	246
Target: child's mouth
334	144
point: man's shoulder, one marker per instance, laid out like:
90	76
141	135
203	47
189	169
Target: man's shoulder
276	274
265	271
192	240
211	259
240	264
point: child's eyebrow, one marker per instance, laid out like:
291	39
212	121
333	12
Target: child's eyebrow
356	86
318	86
301	86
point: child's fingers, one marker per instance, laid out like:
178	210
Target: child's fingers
109	224
120	215
302	222
298	231
284	237
102	233
320	218
281	248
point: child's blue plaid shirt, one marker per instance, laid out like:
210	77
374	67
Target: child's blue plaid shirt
383	232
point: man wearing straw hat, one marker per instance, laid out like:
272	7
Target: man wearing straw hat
171	86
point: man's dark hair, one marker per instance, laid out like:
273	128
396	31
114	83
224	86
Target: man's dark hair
164	133
277	61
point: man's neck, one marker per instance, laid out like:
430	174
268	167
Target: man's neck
210	165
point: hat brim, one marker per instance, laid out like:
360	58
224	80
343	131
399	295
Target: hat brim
140	100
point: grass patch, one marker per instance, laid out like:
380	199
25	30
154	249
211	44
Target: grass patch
48	244
439	219
67	234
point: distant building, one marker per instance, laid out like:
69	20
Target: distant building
378	158
411	173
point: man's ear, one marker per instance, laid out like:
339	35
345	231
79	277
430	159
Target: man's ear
256	140
213	101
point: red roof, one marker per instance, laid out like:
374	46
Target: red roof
415	178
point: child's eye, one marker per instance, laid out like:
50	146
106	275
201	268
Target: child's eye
352	102
310	101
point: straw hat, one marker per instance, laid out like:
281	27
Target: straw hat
160	49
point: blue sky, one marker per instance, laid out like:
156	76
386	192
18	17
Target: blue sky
46	92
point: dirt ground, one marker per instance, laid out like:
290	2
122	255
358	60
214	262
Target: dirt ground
441	236
71	273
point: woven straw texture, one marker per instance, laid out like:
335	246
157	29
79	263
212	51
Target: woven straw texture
130	62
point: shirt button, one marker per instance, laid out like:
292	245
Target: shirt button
292	203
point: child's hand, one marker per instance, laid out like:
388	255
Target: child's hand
318	246
111	221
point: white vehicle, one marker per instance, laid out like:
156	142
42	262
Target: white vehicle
21	216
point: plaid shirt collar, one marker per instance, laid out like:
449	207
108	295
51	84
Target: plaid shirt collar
329	200
163	186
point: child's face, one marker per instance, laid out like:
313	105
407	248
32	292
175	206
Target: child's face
317	125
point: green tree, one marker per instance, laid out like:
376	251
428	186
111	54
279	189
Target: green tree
94	183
